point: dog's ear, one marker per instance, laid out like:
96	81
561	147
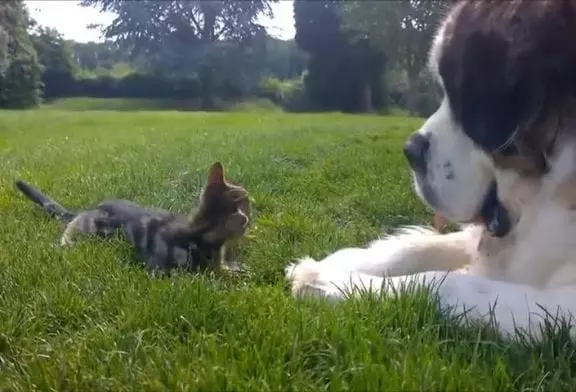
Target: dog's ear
487	101
506	67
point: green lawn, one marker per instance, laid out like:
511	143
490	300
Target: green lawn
143	104
87	319
118	104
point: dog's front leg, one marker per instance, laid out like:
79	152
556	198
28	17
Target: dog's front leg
410	251
390	265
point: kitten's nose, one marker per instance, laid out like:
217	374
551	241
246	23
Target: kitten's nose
416	151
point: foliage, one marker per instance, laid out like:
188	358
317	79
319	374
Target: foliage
101	70
55	56
258	105
222	60
267	56
4	38
290	94
342	75
137	85
101	55
116	71
88	319
186	38
352	56
403	30
284	59
83	104
275	89
20	76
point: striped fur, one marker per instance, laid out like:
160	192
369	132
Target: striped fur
162	239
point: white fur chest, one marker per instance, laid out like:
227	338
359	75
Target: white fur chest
541	249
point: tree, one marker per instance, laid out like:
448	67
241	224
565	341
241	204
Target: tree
403	29
342	75
180	37
284	59
56	57
20	71
3	43
95	55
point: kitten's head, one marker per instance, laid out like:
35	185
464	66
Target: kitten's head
224	209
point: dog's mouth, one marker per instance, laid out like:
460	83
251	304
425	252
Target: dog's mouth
492	214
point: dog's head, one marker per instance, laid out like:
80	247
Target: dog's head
508	73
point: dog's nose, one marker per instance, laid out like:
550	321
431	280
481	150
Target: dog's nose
416	151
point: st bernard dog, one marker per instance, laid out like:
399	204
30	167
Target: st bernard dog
499	158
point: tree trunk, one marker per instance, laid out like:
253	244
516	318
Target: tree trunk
4	57
366	98
207	88
207	77
412	93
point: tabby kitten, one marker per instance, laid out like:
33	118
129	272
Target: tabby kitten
162	239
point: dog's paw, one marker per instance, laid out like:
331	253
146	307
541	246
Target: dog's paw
309	278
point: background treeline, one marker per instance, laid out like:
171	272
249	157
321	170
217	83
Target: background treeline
351	56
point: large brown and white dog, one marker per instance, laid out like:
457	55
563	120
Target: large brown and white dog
499	157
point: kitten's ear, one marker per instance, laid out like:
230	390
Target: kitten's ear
216	174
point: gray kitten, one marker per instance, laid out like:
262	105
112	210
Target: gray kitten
162	239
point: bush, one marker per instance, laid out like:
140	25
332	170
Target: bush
255	105
21	73
119	104
21	84
135	86
289	94
273	89
427	98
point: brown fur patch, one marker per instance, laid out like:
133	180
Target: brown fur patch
566	193
508	69
224	208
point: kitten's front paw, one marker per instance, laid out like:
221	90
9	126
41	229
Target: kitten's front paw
66	241
63	244
156	272
232	267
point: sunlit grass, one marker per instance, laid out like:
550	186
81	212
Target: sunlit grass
86	319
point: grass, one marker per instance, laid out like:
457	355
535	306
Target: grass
81	104
118	104
86	318
254	105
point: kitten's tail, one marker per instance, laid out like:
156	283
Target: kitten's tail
49	206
